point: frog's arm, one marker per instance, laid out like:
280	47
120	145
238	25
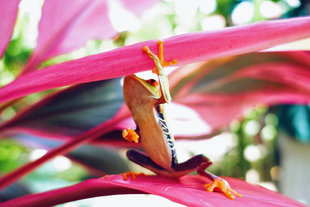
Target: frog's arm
160	63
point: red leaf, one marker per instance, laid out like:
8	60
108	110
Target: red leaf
186	48
8	12
188	191
225	88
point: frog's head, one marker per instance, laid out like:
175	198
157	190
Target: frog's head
140	91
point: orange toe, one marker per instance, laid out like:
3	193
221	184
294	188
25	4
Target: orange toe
130	135
132	174
224	186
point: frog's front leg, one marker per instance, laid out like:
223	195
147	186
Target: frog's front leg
130	135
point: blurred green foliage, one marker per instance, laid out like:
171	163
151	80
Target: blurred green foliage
256	148
12	155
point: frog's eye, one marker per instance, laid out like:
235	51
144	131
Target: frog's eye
152	82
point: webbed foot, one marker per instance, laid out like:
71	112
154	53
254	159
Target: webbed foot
130	135
160	56
132	174
224	186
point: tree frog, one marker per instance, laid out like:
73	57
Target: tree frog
145	99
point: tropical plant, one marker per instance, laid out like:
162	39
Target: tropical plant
221	74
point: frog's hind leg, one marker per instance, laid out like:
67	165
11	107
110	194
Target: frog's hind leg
143	160
176	170
192	164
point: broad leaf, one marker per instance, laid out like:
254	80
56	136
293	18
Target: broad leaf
221	90
208	95
186	48
8	13
71	111
67	25
188	191
98	160
79	140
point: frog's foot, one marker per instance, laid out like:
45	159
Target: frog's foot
160	56
224	186
130	135
132	174
160	45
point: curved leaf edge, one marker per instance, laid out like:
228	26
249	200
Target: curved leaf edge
186	191
186	48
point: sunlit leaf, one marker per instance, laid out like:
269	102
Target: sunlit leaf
186	48
67	25
188	191
8	13
137	6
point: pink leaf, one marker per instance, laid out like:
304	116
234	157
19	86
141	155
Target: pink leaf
225	88
138	6
8	12
186	48
187	191
67	25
